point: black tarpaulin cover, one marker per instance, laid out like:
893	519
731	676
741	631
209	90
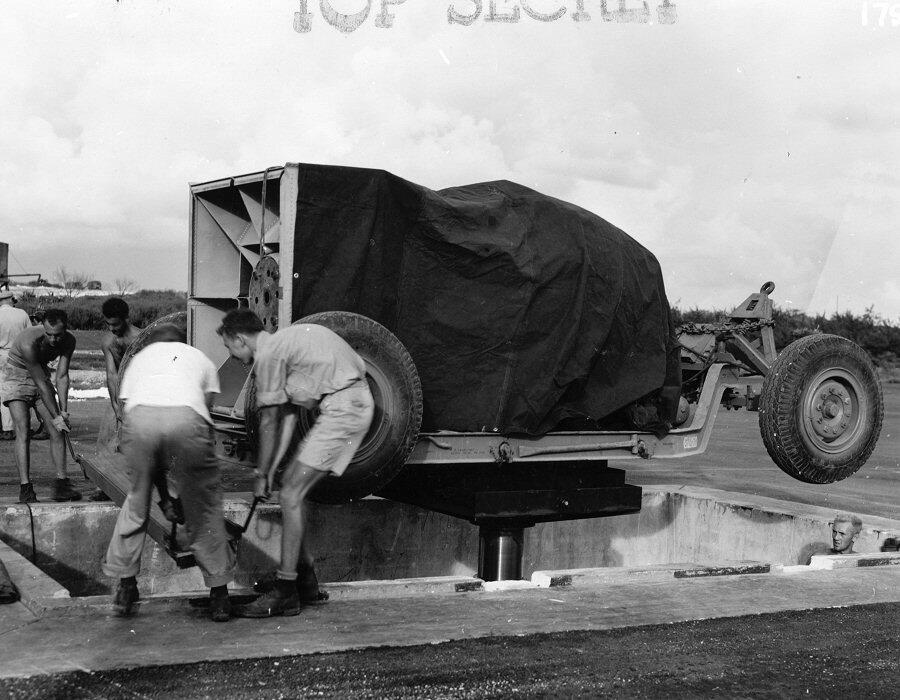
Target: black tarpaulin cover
519	310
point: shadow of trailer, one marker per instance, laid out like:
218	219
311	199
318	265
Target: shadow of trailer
819	399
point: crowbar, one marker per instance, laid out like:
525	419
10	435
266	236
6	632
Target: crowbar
75	457
185	559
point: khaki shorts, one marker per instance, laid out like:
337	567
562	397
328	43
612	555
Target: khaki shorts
344	419
17	384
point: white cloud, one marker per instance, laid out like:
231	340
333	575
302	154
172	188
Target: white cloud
746	142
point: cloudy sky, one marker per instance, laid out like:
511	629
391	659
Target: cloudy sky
744	142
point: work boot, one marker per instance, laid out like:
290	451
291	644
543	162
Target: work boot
126	597
63	491
7	434
307	585
99	495
282	599
40	434
27	494
219	604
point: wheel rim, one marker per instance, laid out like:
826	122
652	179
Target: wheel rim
834	406
385	408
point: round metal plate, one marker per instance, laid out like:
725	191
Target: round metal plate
264	291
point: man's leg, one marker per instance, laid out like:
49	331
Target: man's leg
57	442
197	475
6	423
283	598
123	556
298	481
62	489
20	411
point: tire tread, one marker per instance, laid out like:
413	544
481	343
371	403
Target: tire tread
782	391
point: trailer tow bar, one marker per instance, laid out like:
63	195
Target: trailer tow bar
635	444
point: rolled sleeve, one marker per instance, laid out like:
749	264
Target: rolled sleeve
211	380
270	376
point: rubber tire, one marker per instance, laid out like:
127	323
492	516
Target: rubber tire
788	400
395	426
178	318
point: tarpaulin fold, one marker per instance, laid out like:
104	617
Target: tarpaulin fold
519	310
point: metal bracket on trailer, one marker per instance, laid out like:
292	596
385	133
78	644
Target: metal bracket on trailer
691	439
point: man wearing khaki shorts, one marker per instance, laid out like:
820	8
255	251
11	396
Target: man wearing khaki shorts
310	366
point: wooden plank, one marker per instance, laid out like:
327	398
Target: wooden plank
110	473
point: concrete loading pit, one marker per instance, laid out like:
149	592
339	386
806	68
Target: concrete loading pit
517	442
393	549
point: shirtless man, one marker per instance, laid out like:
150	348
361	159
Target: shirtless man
844	531
26	384
121	334
118	338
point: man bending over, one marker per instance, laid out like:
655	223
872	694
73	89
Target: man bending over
26	384
168	437
302	365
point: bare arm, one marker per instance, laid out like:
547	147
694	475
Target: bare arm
39	375
62	380
288	425
112	378
48	395
269	419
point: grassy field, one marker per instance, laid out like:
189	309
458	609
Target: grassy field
88	341
88	355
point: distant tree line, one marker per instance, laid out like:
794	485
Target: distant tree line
85	314
870	331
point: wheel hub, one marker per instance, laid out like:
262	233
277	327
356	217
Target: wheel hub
263	297
831	411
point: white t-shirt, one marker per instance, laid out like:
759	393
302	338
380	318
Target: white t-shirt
12	322
169	374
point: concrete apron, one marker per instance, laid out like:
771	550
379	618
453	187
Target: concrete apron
379	548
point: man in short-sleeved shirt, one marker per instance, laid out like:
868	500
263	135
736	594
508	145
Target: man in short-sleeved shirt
12	322
167	391
302	365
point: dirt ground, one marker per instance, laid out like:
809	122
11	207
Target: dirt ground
849	652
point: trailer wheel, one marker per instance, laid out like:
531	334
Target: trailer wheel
178	319
821	409
397	392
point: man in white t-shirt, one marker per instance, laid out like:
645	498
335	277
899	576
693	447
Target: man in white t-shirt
167	389
12	322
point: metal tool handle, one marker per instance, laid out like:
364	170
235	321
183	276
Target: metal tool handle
256	502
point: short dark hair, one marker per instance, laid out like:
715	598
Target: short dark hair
54	316
166	333
240	321
114	307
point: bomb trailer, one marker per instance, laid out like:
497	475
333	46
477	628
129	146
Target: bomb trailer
384	262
